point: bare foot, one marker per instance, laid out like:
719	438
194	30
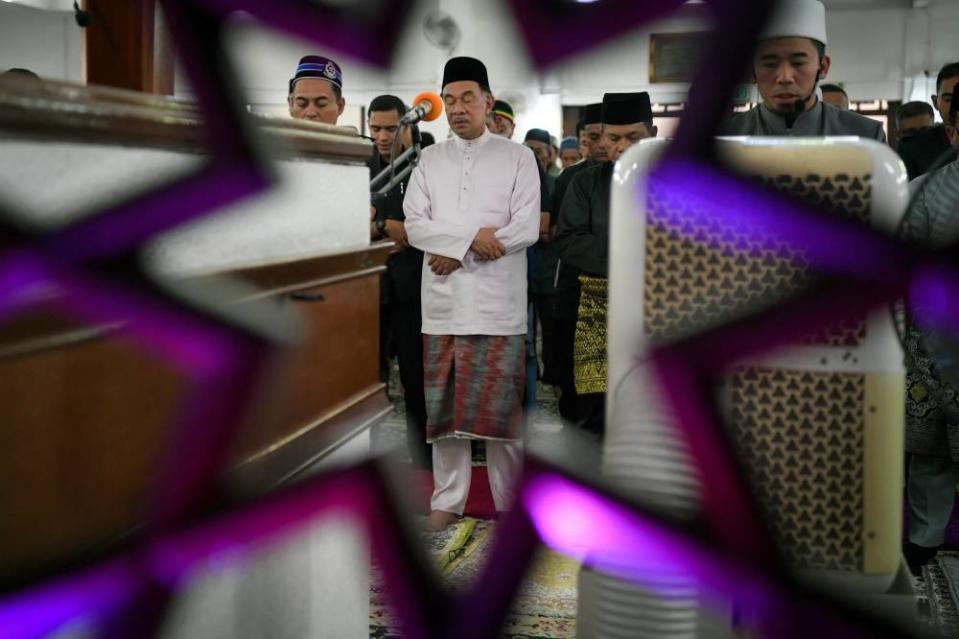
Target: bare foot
439	520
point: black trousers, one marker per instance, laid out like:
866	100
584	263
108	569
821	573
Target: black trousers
406	337
547	313
564	333
592	414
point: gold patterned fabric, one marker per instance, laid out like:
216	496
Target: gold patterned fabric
590	365
800	436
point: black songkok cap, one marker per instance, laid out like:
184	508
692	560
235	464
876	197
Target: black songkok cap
626	108
465	69
540	135
593	113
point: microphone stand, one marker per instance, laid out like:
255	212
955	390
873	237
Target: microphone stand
412	154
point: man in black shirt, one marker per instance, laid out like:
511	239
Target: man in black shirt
921	149
921	142
400	319
583	243
567	275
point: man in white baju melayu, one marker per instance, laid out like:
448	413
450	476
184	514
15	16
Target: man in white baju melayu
472	206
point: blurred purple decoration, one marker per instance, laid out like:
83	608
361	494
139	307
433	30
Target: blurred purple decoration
733	207
87	596
230	359
225	361
557	29
366	31
635	545
578	522
934	298
852	267
620	541
128	225
22	282
730	514
358	494
480	612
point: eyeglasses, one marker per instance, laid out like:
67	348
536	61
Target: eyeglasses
467	99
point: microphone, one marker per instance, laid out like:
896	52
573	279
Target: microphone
428	107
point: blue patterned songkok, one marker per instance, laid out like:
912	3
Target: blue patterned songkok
315	66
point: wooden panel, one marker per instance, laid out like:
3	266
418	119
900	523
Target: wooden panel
337	360
81	426
286	460
125	46
163	62
278	278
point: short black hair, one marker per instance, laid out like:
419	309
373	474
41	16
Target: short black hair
388	103
337	91
833	88
912	109
951	70
580	125
18	72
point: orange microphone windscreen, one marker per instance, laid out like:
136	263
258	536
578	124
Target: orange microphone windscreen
436	104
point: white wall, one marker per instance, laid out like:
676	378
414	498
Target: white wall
266	60
876	52
48	43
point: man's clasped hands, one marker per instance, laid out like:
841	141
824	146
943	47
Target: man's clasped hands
485	246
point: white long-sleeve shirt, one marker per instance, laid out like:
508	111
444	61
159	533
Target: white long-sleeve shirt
459	187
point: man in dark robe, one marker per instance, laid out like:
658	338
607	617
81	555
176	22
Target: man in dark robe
583	242
567	276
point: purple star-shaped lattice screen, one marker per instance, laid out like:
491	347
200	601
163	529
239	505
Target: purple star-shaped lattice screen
94	263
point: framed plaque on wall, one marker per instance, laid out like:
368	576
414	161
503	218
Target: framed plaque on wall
674	57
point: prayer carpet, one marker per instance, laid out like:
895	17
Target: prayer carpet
545	607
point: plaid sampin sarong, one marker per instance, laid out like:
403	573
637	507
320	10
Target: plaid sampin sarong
474	386
589	348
